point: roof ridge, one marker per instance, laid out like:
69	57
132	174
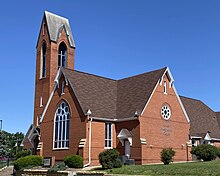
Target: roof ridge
90	74
112	78
143	73
200	102
190	98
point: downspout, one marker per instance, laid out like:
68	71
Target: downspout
90	141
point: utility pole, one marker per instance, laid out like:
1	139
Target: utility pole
0	125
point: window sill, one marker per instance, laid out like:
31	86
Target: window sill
108	147
62	93
54	149
165	93
43	78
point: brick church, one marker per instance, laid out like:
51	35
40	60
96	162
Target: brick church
81	113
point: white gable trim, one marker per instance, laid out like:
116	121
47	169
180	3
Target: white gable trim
150	97
59	73
51	95
181	104
169	74
177	95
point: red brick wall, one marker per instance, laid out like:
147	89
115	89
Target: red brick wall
161	133
134	127
98	141
77	125
44	86
217	144
27	144
41	85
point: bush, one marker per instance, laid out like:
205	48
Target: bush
57	167
205	152
110	159
167	155
28	161
74	161
117	163
23	153
218	152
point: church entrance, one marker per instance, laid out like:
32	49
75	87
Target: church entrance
125	137
35	144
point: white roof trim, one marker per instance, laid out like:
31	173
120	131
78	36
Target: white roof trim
31	133
27	134
181	104
195	137
215	139
169	74
150	97
177	95
51	95
159	81
114	120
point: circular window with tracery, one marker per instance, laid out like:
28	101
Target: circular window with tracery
166	112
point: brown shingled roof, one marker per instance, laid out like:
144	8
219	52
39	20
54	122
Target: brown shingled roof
218	117
135	91
108	98
202	118
94	92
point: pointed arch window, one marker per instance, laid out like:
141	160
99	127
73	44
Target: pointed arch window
62	126
43	60
62	55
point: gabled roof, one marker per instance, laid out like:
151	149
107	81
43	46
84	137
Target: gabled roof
134	92
218	117
93	92
55	24
113	99
202	118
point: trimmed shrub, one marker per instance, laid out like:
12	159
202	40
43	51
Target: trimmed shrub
205	152
57	167
23	153
28	162
110	159
166	155
117	163
74	161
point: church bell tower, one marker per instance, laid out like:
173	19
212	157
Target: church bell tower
55	48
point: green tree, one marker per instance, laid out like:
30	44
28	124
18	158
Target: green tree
10	144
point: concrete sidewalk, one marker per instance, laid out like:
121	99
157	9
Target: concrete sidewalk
8	171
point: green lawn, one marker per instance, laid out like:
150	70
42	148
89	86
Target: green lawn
189	169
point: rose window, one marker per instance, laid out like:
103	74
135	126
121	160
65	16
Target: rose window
166	112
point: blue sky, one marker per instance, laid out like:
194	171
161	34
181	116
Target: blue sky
116	39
